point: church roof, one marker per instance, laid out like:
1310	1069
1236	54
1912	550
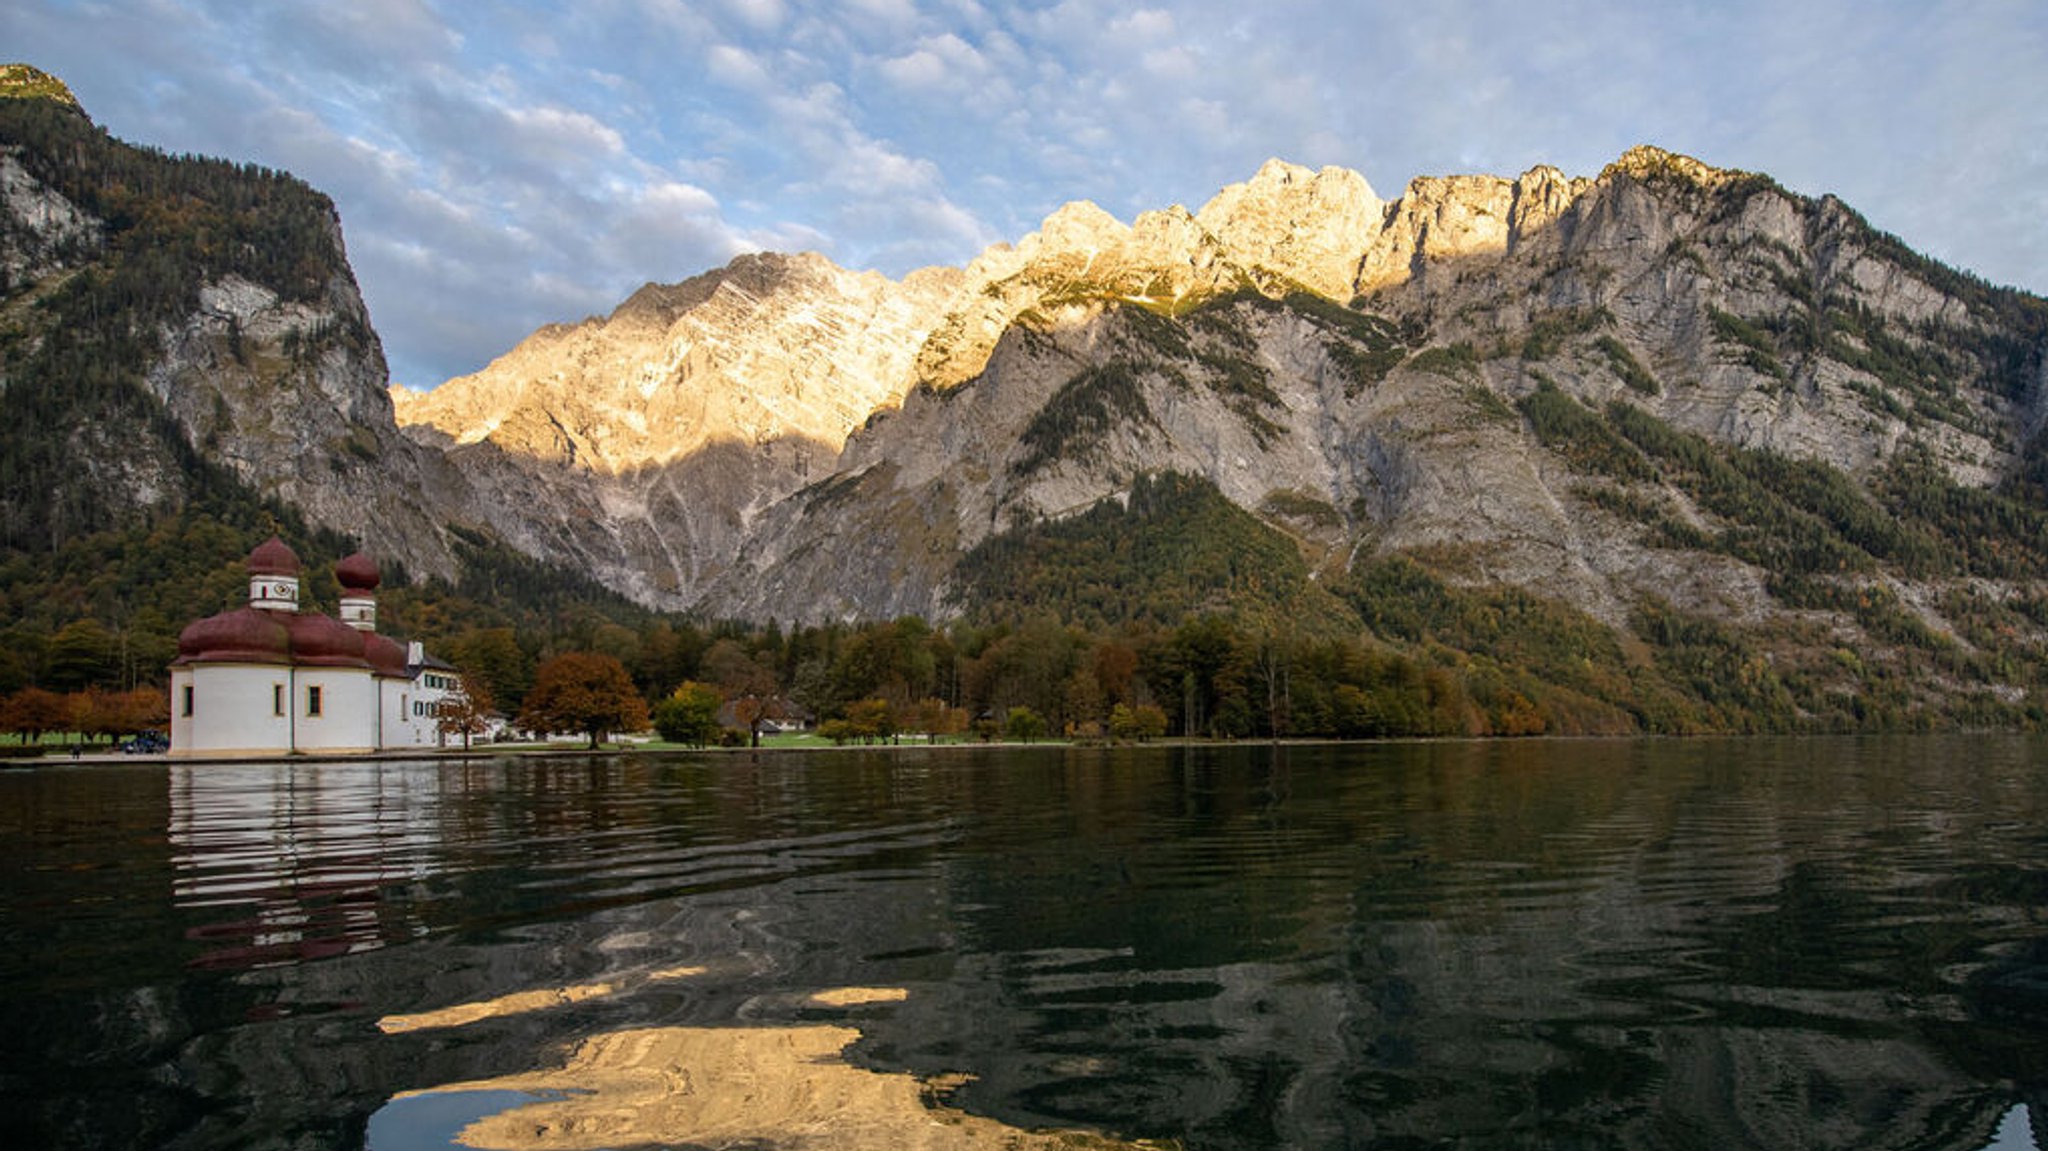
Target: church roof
386	655
252	635
273	557
244	635
295	638
358	573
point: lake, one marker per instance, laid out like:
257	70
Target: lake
1836	943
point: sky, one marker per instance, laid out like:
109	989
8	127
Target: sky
499	166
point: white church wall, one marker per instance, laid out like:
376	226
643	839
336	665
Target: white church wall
347	711
233	708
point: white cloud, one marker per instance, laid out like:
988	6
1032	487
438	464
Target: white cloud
919	69
874	166
761	15
561	133
1144	24
392	30
1176	64
893	13
937	60
733	65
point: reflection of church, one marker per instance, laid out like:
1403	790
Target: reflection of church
269	679
288	863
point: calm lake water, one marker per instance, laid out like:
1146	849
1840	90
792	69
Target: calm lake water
1772	944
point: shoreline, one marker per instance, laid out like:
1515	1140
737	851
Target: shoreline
529	751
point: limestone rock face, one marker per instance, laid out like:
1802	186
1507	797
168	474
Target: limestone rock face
1315	226
783	438
770	348
307	419
45	226
638	446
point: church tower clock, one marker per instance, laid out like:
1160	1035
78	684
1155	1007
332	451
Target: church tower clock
274	577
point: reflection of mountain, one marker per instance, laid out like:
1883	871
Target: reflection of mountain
1485	946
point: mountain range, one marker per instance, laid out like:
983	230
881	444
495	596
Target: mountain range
1678	404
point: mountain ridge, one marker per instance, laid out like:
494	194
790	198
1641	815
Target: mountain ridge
1403	263
1666	448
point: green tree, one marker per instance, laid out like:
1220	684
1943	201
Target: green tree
690	714
1141	723
492	657
1024	724
584	692
82	654
732	667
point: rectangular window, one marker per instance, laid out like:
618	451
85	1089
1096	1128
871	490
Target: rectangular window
185	702
277	699
312	701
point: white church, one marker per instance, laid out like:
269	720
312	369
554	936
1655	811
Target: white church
269	679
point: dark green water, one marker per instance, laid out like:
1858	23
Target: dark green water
1773	944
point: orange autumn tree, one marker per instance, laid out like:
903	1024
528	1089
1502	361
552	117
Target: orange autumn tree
32	711
583	691
467	713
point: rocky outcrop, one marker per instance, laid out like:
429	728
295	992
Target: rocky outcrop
640	446
43	232
290	397
769	348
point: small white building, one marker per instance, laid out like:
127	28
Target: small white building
269	679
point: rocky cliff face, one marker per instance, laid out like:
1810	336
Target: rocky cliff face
786	439
641	446
164	315
291	397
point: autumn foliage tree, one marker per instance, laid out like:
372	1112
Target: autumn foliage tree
585	692
467	713
934	718
1142	723
108	714
30	712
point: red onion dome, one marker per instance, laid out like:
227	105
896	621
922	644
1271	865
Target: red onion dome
273	557
358	573
244	635
323	641
386	656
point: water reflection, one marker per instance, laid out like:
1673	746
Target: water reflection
1759	944
786	1086
297	857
